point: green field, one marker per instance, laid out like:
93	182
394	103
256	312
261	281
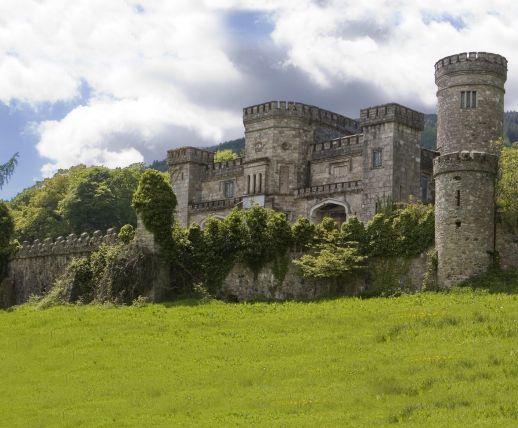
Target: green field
421	360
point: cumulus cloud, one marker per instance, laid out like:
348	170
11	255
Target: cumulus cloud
136	58
168	73
393	45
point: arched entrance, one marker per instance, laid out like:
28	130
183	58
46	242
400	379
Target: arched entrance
337	210
216	216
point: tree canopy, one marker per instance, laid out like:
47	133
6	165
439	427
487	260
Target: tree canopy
76	200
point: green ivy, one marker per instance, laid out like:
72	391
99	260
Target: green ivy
155	201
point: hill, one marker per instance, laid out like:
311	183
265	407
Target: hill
431	359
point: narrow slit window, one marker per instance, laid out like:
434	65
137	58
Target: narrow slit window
255	183
260	183
248	184
458	198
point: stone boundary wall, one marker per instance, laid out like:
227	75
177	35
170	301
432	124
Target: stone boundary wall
242	285
507	246
35	267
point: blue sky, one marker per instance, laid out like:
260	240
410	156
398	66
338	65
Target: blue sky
121	82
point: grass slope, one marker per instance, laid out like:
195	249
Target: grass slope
422	360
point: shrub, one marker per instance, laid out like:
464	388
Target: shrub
330	262
303	232
113	273
127	233
155	201
6	233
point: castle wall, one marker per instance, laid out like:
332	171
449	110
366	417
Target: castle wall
242	285
507	246
35	267
338	160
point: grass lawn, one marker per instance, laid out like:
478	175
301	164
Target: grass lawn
442	360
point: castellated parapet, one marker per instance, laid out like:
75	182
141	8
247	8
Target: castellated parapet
278	109
472	62
69	245
392	113
470	101
189	154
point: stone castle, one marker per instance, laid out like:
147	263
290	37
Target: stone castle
303	160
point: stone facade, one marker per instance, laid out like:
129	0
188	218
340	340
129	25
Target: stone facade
470	120
303	160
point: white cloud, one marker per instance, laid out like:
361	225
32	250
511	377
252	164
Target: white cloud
149	63
393	45
136	58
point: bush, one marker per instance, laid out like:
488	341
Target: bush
6	233
113	273
155	201
127	233
330	262
507	188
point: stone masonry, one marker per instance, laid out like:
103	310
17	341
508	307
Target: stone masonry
470	120
302	160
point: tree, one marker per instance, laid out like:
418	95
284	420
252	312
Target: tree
7	170
225	155
155	201
6	232
507	188
76	200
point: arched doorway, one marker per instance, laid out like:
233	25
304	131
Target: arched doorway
216	216
332	208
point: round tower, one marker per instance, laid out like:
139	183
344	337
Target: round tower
469	122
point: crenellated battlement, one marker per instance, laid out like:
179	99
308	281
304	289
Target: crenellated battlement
275	109
392	113
465	161
189	154
69	245
337	147
224	169
470	62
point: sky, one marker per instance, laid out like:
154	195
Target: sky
114	82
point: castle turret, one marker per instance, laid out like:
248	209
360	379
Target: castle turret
186	168
392	155
470	120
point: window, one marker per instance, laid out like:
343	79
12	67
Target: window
468	99
229	189
377	159
424	188
458	198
